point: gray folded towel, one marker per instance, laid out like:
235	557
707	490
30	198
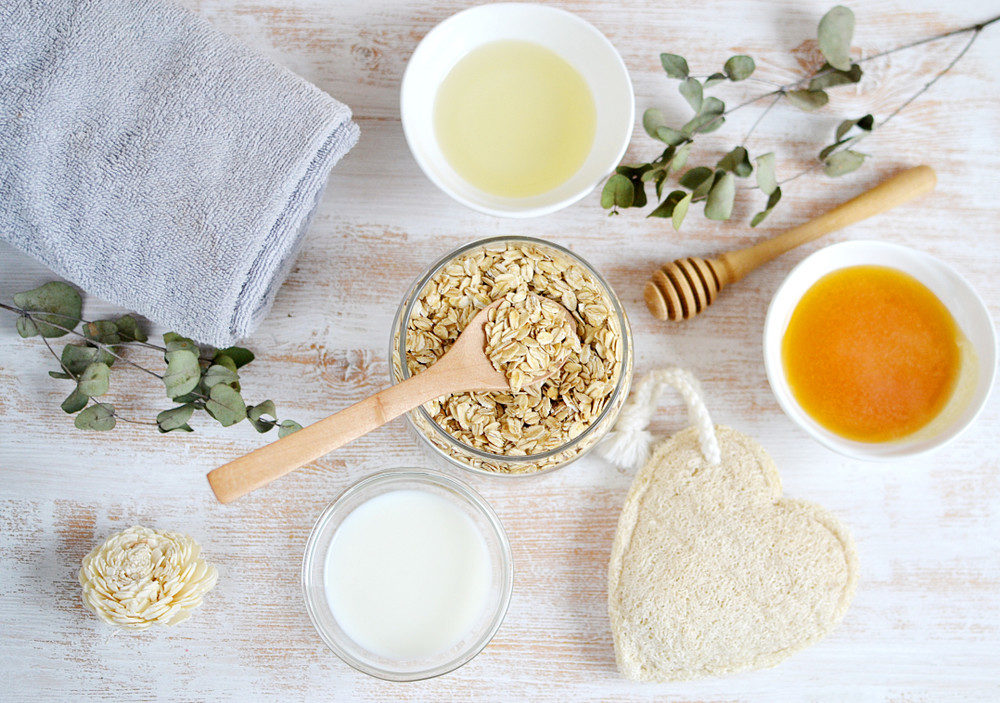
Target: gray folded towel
156	162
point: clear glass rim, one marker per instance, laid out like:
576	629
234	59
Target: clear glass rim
403	315
465	493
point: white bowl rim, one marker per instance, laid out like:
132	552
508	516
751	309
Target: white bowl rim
775	371
541	209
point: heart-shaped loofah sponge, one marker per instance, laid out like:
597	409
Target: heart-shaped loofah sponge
713	572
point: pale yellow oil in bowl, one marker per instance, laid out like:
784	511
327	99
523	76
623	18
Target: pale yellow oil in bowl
514	119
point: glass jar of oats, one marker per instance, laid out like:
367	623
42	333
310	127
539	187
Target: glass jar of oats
539	428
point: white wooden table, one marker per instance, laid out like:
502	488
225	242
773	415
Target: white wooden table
925	624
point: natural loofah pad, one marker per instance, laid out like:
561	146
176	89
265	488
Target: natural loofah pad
713	572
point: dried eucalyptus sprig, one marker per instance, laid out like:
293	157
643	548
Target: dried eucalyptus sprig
716	185
195	378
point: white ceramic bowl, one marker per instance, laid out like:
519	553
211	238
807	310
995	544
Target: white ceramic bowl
968	309
572	38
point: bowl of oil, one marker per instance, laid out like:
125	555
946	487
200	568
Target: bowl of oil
516	109
879	351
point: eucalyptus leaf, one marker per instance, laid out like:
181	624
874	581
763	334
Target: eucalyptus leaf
94	380
808	100
843	162
26	327
703	124
669	135
830	77
175	419
633	172
255	412
772	200
55	297
842	129
666	156
617	192
287	427
174	342
719	205
59	374
865	123
128	328
651	175
103	331
99	416
680	211
224	360
830	148
714	79
183	372
675	66
708	119
701	192
75	402
739	67
679	159
666	208
659	184
766	180
638	192
712	106
696	176
216	374
836	30
255	415
225	405
691	90
651	119
76	357
737	161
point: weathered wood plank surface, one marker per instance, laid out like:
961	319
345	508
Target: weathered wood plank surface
925	625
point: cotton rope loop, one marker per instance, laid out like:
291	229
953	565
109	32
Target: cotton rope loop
628	444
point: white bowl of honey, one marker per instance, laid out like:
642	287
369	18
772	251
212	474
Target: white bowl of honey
879	351
516	109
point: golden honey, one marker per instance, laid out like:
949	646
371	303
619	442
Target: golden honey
871	353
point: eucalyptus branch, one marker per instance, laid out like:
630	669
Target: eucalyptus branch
196	378
716	185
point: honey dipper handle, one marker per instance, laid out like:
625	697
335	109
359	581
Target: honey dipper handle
895	191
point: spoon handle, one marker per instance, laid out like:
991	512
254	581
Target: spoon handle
897	190
263	465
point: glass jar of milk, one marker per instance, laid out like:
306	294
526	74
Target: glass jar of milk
407	574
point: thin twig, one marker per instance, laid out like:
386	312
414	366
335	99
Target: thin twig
22	311
977	28
858	138
114	411
99	345
59	359
752	79
777	99
780	91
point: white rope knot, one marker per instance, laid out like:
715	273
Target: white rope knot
628	444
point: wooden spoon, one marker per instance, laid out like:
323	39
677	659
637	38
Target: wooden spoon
683	288
465	367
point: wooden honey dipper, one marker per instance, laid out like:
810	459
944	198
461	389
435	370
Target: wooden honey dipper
684	287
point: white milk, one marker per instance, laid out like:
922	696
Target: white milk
407	574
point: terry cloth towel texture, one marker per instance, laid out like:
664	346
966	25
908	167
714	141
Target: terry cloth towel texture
157	162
